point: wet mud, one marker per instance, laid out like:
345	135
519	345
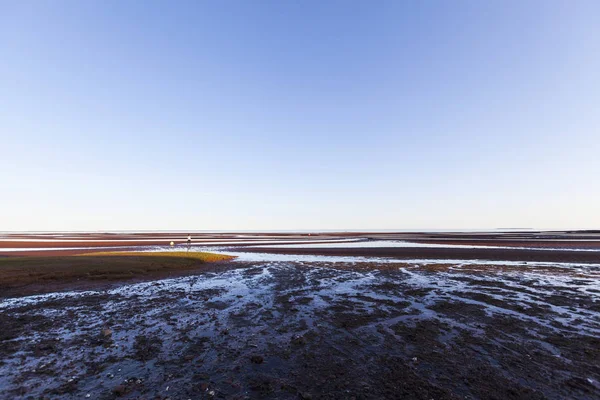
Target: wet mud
313	330
449	253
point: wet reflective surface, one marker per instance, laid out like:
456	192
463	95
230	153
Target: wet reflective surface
285	326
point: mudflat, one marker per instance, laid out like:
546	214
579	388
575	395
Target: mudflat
328	323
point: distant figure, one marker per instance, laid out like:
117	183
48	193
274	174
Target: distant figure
189	242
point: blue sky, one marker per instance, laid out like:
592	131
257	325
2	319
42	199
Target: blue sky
299	114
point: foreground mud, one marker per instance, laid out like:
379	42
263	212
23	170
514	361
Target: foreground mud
290	330
22	276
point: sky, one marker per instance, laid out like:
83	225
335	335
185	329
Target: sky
283	115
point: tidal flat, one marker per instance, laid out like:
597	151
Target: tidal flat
289	326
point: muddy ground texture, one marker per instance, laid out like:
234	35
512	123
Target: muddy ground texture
300	330
23	276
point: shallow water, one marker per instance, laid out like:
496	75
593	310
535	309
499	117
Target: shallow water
402	243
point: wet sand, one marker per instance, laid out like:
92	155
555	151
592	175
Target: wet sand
309	328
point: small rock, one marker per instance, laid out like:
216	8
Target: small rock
299	340
414	359
257	359
305	396
106	332
120	390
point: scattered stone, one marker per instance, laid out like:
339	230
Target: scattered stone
298	340
120	390
257	359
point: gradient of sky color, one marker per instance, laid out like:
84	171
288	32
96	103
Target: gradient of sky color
299	114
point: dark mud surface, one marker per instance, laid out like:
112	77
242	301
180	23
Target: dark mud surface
313	330
38	275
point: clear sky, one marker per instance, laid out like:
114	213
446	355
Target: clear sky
299	114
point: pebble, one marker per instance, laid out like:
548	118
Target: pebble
120	390
257	359
298	339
